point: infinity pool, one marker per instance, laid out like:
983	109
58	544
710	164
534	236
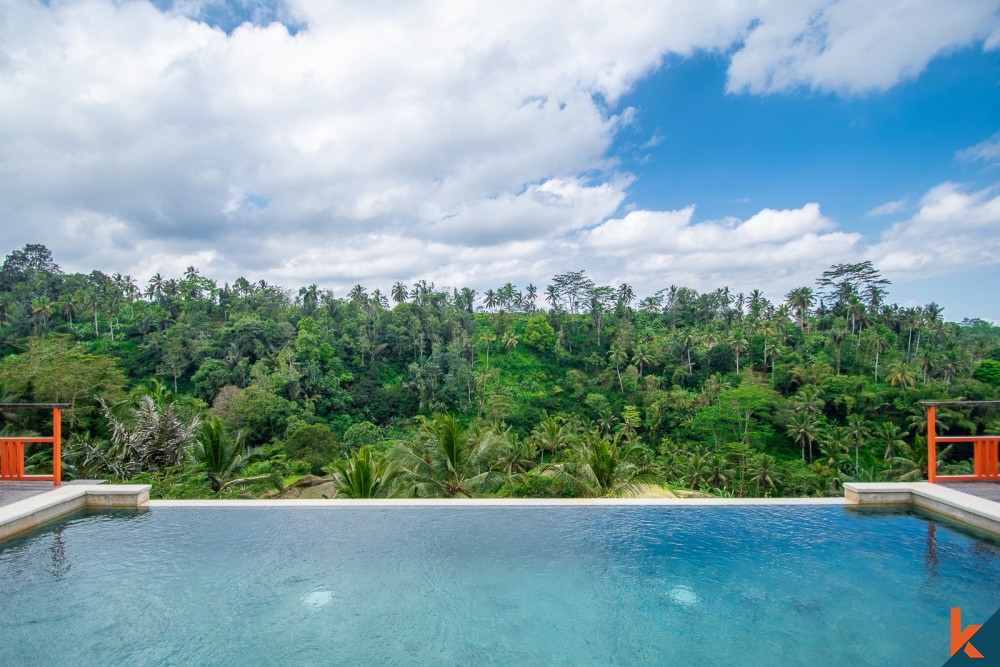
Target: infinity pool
755	585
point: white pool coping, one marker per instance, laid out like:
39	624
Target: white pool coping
492	502
30	512
962	507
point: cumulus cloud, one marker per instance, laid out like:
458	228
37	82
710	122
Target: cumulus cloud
853	45
369	142
773	250
953	231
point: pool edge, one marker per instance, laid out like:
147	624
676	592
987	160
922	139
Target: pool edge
976	512
29	513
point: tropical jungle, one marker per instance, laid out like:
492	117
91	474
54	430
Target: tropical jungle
563	390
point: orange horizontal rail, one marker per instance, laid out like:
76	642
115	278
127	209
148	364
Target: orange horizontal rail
27	439
968	438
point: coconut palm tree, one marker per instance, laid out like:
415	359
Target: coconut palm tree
837	337
834	444
221	456
448	460
902	374
764	469
909	464
857	429
801	300
399	293
890	434
366	474
551	435
617	355
42	305
739	343
603	467
802	429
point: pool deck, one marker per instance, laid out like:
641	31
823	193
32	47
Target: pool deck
971	503
11	492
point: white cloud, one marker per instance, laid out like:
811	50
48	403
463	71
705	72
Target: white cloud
464	142
853	45
773	249
953	231
888	208
987	151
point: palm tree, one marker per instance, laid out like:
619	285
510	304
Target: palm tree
890	434
221	457
616	356
641	356
447	460
801	300
856	310
600	467
67	306
552	435
366	474
42	305
516	456
625	294
765	471
698	469
721	471
688	341
858	431
834	444
879	341
399	293
837	336
530	294
510	341
739	344
490	300
909	464
902	374
802	429
772	352
808	400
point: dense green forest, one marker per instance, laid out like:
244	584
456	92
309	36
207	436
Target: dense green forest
571	389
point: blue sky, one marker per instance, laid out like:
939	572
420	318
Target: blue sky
691	143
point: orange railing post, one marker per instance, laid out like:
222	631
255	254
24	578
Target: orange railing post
931	446
56	446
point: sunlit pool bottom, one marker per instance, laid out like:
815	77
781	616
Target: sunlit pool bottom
760	585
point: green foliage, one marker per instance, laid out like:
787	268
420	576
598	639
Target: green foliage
366	474
988	371
315	444
361	435
539	334
262	414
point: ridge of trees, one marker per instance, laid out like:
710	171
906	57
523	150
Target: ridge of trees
719	391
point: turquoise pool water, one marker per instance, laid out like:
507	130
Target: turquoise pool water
757	585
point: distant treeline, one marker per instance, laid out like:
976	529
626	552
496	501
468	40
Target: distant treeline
718	391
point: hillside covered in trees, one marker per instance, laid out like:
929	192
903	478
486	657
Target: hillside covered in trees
571	388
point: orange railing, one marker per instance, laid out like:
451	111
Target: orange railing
12	448
984	446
